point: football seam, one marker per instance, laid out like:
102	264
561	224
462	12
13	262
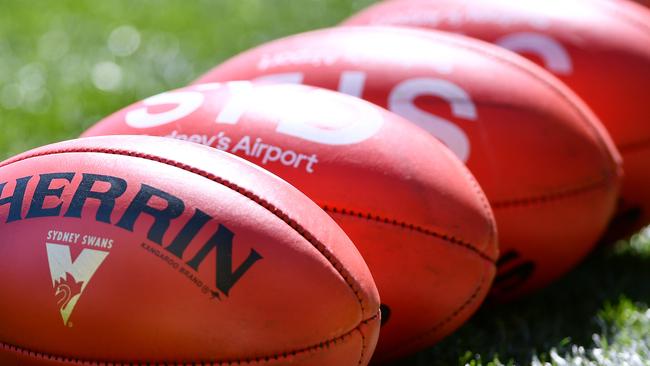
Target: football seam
244	192
555	196
474	296
422	230
256	360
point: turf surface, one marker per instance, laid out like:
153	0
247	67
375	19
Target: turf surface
66	64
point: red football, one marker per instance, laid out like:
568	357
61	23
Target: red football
542	158
414	211
142	251
599	48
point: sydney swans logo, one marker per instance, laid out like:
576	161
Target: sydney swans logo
70	277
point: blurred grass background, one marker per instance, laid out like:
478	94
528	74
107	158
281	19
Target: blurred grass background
66	64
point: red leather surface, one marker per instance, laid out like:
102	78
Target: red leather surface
309	300
417	216
543	159
599	48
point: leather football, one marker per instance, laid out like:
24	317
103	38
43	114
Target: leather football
542	157
599	48
412	208
137	250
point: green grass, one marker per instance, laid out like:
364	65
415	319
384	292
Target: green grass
597	315
50	50
66	64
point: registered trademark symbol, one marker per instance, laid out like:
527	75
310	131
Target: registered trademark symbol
70	324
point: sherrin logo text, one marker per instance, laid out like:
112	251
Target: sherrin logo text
69	275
